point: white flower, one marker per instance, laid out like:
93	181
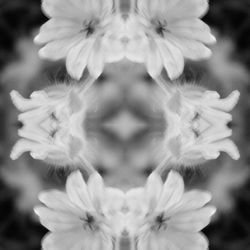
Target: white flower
197	125
162	33
53	125
86	216
163	216
84	32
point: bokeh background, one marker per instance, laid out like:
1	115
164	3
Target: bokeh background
124	124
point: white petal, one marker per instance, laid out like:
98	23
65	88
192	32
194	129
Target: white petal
187	241
59	201
65	8
77	58
77	191
192	221
57	221
66	240
153	190
193	29
96	59
154	60
172	58
187	8
172	191
59	49
96	190
56	29
191	200
190	48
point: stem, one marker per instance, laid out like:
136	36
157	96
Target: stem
163	85
117	244
117	6
132	6
87	83
87	166
132	244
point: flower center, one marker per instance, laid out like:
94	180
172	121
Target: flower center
159	222
90	26
159	26
89	222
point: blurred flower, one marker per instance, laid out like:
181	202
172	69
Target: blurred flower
197	125
86	33
163	33
163	216
53	125
85	217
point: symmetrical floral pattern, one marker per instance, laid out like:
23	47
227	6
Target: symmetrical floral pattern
160	34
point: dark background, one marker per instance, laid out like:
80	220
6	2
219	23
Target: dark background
227	70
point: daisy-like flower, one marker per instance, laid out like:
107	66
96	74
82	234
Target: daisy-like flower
84	32
197	125
163	216
86	216
164	32
53	125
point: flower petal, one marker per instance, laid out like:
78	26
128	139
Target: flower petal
172	58
172	192
192	221
77	191
56	29
57	221
77	58
58	49
192	28
190	48
187	8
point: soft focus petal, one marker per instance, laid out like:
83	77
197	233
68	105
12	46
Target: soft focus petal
172	58
172	191
77	58
77	191
192	221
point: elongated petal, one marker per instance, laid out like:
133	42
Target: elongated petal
191	200
187	8
58	200
187	241
153	190
172	191
190	48
57	221
58	49
172	58
56	29
77	191
193	29
77	58
192	221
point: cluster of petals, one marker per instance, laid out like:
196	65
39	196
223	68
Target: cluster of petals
92	216
158	33
52	125
197	125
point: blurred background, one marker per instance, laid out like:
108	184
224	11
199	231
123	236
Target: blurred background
125	125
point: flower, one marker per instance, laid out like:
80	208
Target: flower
53	125
163	33
86	216
86	33
163	216
197	125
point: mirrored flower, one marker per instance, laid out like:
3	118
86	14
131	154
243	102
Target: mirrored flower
164	216
86	216
197	125
53	125
86	33
163	33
